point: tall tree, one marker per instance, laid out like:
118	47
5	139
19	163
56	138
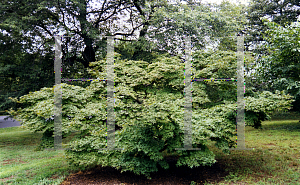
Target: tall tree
27	30
281	12
22	72
170	24
280	67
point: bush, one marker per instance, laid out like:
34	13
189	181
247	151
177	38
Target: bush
149	114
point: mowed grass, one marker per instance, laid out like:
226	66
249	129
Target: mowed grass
275	160
20	164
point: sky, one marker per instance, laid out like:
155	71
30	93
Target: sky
233	1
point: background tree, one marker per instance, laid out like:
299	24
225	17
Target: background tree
27	30
32	29
169	25
281	66
281	12
20	71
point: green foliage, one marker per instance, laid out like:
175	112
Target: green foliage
284	50
171	23
266	99
37	18
259	9
281	64
19	78
149	98
24	65
138	50
47	140
149	114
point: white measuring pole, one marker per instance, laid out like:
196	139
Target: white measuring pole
57	96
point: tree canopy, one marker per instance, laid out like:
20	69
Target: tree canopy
280	67
281	12
28	27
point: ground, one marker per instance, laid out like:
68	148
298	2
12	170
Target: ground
174	175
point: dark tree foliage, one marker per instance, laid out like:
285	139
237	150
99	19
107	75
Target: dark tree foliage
26	42
282	13
21	72
279	11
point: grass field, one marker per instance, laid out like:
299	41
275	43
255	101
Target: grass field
20	164
275	160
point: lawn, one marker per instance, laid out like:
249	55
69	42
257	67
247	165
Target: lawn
20	164
275	160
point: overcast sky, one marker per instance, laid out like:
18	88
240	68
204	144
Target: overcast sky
233	1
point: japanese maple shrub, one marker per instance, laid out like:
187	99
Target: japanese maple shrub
149	113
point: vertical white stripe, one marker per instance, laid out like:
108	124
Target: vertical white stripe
188	95
110	94
240	119
57	96
188	134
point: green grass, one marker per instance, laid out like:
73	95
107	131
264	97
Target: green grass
275	160
20	164
285	115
